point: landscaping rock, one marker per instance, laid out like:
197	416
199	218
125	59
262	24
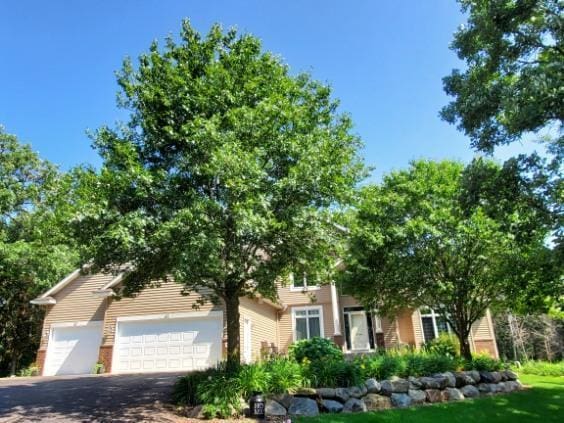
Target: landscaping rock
358	391
474	374
305	392
342	394
417	396
509	375
414	383
195	412
513	385
354	405
430	383
495	388
401	400
502	387
462	379
376	402
274	408
490	377
470	391
302	406
450	379
326	392
332	406
453	394
396	385
433	395
373	386
284	399
485	388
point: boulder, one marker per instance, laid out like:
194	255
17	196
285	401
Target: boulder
485	388
274	408
509	375
305	392
430	383
400	400
196	412
354	405
433	395
504	387
450	379
303	406
417	396
283	399
462	379
490	377
453	394
414	383
474	374
326	392
397	386
373	386
342	394
332	406
495	388
470	391
358	391
513	385
375	402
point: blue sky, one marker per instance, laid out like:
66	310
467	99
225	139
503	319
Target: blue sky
384	60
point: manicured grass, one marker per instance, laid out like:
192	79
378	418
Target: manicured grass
543	402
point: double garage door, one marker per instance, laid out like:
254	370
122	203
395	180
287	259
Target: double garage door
141	345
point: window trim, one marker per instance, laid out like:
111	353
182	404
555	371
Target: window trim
306	309
303	288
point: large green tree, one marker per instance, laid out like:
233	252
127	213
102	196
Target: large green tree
34	251
454	239
224	178
513	82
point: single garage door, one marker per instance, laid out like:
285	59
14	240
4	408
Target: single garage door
73	348
169	344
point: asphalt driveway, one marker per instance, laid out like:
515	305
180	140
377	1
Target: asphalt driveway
100	398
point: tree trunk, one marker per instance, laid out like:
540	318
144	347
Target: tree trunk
465	350
233	334
13	365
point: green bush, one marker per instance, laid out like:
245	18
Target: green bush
315	349
542	368
444	344
332	374
284	375
221	395
483	362
381	366
253	378
32	370
185	391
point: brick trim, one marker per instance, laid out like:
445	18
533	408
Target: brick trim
105	357
485	346
40	360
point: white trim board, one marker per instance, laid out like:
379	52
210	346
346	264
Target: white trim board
184	315
311	307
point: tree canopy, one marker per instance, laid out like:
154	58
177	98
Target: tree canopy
34	251
513	82
452	238
224	178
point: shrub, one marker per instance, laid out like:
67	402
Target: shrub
483	362
221	395
381	366
444	344
332	374
253	378
543	368
315	349
185	391
32	370
284	375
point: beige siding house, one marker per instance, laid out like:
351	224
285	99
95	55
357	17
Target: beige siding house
162	330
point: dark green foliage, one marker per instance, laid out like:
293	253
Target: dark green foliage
315	349
185	391
332	373
483	362
285	375
221	395
542	368
444	344
253	378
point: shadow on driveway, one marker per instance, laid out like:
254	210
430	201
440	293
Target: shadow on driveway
102	398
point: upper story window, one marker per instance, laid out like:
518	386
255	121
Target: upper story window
307	322
301	283
433	324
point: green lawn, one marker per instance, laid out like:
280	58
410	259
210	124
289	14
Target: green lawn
543	402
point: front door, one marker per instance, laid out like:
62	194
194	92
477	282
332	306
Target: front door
359	331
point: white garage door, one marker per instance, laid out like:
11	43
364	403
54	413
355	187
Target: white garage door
170	344
73	348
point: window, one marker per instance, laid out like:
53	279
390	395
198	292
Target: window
433	324
308	322
300	284
360	328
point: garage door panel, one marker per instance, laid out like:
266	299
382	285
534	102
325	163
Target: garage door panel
168	344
